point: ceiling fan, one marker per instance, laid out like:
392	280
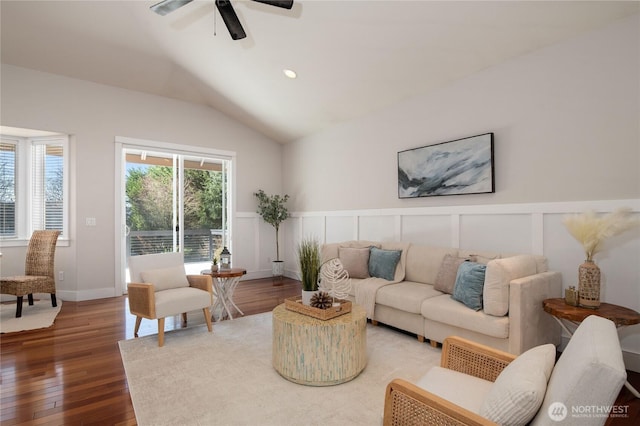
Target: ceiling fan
226	11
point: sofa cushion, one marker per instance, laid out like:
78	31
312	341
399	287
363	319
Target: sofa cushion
165	278
423	262
447	273
382	263
519	389
479	256
499	274
469	284
461	389
448	311
355	261
406	296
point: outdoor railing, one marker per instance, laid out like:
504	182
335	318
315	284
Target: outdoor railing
199	244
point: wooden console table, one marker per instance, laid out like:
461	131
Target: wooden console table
315	352
620	316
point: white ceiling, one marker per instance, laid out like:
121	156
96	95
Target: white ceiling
352	57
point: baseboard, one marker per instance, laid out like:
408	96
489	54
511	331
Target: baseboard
79	296
631	359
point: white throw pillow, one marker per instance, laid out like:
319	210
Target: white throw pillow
499	274
518	392
166	278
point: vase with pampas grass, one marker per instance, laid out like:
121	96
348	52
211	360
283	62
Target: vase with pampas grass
591	230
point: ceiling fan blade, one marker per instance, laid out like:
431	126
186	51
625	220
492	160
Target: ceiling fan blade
285	4
230	19
168	6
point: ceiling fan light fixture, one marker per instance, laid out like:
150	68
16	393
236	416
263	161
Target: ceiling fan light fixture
290	73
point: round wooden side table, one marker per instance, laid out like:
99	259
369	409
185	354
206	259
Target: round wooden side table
316	352
225	282
619	315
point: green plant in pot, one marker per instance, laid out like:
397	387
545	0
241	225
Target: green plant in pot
309	263
272	209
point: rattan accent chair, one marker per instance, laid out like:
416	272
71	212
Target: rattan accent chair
159	288
409	404
39	271
589	373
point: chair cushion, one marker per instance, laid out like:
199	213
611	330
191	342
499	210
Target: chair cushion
462	389
382	263
519	390
499	274
589	373
469	283
447	273
175	301
166	278
355	261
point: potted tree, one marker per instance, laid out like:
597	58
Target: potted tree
309	262
273	211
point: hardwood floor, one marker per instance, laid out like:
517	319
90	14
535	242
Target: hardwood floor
72	374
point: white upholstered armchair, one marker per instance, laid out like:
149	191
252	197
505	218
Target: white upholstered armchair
479	385
160	288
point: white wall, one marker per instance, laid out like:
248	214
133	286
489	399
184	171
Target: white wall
565	120
567	139
94	115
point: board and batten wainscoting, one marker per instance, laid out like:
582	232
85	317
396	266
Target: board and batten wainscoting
534	228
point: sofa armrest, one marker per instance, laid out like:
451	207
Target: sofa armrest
474	359
142	301
408	404
529	325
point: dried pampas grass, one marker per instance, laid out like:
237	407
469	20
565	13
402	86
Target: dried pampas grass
592	230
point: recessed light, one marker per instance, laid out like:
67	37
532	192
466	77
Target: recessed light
290	73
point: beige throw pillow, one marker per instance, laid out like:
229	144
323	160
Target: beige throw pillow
500	272
518	392
166	278
447	273
355	261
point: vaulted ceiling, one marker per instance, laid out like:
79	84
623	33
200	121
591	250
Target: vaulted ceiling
351	57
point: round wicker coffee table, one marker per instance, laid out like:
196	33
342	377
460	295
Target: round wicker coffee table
314	352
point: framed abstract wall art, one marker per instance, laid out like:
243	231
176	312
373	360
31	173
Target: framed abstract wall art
462	166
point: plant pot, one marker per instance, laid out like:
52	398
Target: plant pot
277	271
277	268
307	295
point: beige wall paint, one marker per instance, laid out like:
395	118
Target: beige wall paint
94	115
565	120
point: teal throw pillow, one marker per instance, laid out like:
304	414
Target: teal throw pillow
382	263
469	284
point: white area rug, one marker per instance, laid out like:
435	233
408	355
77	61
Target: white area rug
40	315
226	378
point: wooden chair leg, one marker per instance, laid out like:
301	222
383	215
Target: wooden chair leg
160	332
207	317
137	327
30	299
54	302
19	307
184	319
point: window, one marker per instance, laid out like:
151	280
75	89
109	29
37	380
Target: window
33	185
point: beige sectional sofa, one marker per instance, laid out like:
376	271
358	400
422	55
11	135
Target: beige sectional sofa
415	297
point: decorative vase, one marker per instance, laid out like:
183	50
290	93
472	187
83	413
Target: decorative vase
307	295
589	285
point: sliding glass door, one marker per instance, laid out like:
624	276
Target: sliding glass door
174	201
